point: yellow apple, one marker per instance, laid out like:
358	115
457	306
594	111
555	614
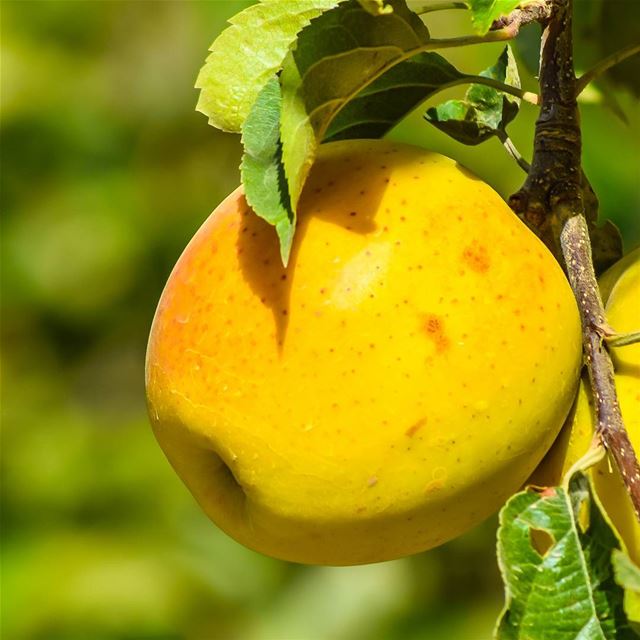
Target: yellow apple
385	392
620	287
623	314
609	278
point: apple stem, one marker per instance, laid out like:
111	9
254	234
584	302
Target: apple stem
552	203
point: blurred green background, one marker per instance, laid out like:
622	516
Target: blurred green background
107	171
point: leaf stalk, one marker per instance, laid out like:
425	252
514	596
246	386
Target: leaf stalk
513	152
527	96
439	6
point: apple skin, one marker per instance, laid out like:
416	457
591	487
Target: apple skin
623	314
608	279
620	289
387	391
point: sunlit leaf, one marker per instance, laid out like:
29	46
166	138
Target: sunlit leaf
485	12
262	174
484	111
627	575
568	591
370	114
247	54
336	57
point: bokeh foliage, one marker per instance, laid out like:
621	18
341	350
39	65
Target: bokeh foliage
107	171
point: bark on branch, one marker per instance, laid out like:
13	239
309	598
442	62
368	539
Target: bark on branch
576	249
552	203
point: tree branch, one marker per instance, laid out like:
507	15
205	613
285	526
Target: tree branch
552	202
604	65
536	11
555	176
576	248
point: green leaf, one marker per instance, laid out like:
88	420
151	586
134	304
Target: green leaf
485	111
337	56
606	245
387	100
261	169
485	12
627	575
371	113
626	572
527	46
567	592
247	54
606	240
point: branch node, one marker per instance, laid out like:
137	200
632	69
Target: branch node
538	11
554	201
